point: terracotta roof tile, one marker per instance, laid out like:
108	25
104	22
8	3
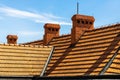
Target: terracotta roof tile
88	56
115	66
22	60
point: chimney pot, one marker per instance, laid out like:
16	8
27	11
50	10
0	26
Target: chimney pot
51	30
12	39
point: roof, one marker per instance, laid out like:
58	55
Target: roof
23	60
114	67
86	52
88	56
37	42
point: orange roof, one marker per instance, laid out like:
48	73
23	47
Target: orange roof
37	42
93	54
89	56
23	60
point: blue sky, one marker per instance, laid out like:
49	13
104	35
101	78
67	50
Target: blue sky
26	18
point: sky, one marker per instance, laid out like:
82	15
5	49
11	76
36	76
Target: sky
26	18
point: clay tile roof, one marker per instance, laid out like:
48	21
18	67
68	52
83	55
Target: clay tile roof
88	56
23	60
37	42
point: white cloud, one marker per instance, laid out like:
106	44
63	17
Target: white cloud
52	21
52	16
17	13
39	18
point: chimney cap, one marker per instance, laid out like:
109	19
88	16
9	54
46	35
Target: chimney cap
50	25
79	16
12	36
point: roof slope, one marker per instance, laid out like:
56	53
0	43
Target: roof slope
88	56
115	66
61	44
37	42
22	60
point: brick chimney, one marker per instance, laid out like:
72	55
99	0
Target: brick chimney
12	39
51	30
80	24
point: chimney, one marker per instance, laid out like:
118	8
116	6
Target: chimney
80	24
51	30
12	39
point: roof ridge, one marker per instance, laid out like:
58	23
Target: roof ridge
104	27
22	45
63	35
32	41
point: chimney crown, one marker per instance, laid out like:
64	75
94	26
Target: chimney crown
49	25
79	16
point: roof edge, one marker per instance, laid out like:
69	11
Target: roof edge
104	27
